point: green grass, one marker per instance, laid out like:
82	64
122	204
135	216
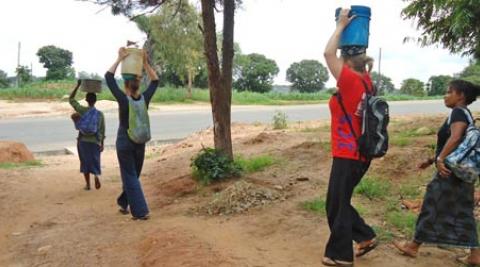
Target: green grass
400	141
48	90
373	188
317	206
409	191
404	221
13	165
255	164
383	235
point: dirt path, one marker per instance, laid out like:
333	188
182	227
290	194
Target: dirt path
48	220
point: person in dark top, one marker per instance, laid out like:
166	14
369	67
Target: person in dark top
130	154
446	217
351	70
89	146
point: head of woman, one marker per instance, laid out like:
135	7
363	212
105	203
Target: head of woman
91	99
460	93
132	85
360	63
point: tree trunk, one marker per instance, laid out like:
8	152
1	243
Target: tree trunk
219	82
190	82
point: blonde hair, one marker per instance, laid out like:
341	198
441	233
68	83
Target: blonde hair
360	63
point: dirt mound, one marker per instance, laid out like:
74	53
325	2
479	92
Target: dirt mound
240	197
168	191
14	152
308	145
263	137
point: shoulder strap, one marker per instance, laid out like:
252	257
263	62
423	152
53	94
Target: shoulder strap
470	119
367	91
339	97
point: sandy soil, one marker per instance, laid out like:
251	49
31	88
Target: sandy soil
49	220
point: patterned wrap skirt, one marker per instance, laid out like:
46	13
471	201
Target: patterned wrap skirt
447	217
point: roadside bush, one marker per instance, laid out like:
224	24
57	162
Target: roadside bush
210	165
279	120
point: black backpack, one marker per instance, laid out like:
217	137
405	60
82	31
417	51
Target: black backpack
373	142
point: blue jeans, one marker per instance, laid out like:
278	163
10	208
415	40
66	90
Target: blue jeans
130	157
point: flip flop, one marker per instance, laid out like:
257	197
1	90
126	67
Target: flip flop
142	218
330	262
123	211
464	260
97	183
86	188
405	251
362	250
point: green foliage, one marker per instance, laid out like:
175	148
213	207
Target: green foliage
472	73
453	24
58	61
24	74
383	83
25	164
307	75
254	72
437	85
373	188
210	165
316	205
3	79
176	39
412	87
255	164
279	120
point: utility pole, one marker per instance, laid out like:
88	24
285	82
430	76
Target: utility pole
18	64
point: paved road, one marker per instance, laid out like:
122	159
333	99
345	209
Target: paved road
54	133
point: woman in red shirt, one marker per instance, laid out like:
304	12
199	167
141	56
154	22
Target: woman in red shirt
348	167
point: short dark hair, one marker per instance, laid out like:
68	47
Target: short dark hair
91	98
133	84
468	89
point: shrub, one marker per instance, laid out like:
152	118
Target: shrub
210	165
279	120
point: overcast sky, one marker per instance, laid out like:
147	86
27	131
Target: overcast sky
286	31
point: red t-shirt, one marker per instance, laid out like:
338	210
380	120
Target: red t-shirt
352	90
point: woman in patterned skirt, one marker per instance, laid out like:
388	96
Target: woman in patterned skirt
447	217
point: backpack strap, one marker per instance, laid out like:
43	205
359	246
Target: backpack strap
470	119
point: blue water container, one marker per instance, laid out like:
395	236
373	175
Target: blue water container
357	31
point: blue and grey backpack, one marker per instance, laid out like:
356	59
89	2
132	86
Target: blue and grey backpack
88	122
138	121
464	161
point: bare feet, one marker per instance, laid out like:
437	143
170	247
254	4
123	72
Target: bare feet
97	183
469	261
409	249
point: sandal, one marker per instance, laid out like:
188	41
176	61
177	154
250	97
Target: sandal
464	260
142	218
123	211
362	250
331	262
86	188
404	249
97	183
